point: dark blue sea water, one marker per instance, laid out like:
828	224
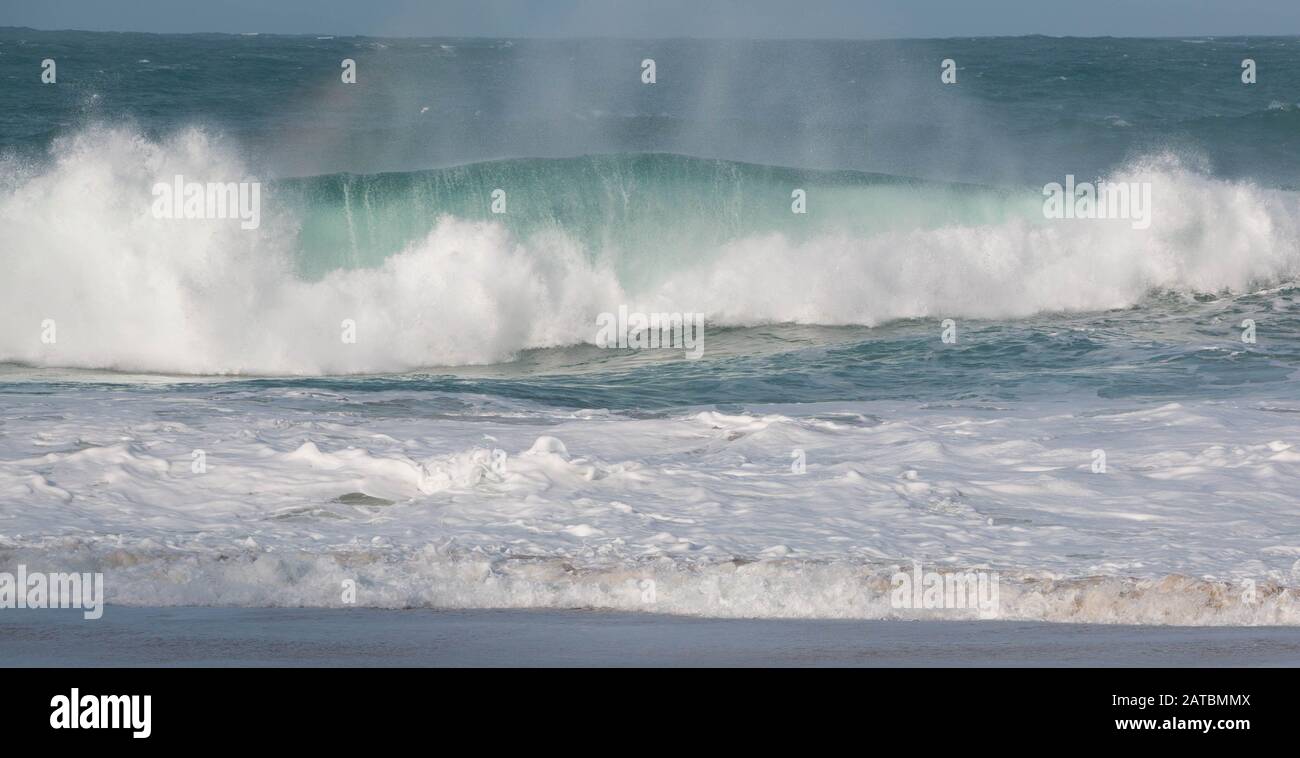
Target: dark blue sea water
880	286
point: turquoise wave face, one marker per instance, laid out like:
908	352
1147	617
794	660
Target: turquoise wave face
642	213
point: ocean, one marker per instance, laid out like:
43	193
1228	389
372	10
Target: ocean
391	392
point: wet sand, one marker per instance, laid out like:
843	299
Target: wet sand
364	637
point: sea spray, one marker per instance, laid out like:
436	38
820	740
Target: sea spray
129	291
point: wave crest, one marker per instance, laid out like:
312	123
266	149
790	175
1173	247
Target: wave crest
132	292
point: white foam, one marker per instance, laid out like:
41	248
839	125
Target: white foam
1191	524
129	291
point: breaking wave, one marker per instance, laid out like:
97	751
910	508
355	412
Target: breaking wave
432	278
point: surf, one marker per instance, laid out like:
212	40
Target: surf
431	277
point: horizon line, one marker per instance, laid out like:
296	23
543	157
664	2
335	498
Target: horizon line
575	38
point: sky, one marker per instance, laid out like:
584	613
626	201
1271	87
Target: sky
668	18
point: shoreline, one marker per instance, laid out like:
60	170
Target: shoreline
310	637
